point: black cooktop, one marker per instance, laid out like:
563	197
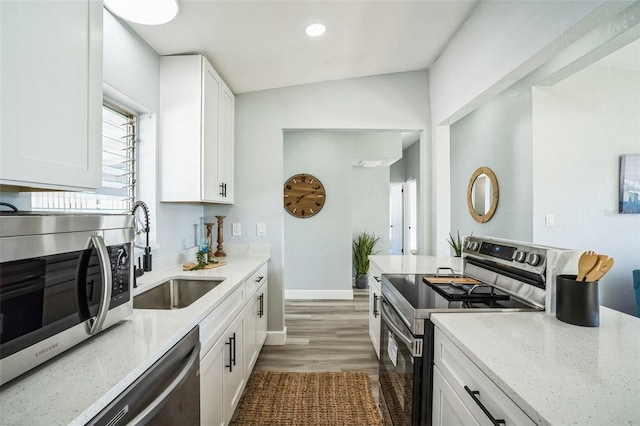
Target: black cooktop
442	297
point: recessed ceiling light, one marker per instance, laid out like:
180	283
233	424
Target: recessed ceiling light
315	30
146	12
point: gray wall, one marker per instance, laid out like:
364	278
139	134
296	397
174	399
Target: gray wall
582	126
357	199
557	152
393	101
497	135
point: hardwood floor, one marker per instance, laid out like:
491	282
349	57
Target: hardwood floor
325	335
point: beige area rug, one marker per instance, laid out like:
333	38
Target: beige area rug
288	399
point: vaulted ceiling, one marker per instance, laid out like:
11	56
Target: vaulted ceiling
257	45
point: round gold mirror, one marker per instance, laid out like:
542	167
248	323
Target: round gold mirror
482	194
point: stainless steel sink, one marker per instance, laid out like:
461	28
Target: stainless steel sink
174	294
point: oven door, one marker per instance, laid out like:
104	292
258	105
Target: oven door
401	370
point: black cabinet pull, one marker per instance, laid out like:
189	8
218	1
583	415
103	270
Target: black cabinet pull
234	349
261	309
376	278
223	189
375	305
230	366
232	352
259	279
494	421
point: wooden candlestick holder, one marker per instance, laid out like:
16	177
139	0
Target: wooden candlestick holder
220	252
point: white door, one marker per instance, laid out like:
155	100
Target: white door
396	206
411	217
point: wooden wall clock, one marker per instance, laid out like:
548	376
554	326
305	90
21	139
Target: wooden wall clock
304	195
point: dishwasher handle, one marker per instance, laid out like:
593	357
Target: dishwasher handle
153	408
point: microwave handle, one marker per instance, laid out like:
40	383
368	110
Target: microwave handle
94	325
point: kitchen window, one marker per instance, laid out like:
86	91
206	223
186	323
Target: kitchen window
117	193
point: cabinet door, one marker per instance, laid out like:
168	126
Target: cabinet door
250	332
233	377
226	144
51	85
374	313
448	409
180	122
210	131
261	328
211	386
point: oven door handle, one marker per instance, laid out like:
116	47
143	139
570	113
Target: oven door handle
94	325
414	345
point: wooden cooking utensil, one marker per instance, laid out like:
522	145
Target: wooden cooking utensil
604	264
588	261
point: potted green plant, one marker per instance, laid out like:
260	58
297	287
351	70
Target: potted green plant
363	246
456	244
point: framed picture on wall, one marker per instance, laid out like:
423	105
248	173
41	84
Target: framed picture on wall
630	183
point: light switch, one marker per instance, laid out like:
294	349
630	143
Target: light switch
549	220
237	230
261	230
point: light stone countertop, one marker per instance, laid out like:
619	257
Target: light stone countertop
73	387
557	373
415	264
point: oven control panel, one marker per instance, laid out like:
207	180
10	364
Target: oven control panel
527	257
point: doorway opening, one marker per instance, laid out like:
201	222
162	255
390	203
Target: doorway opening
403	204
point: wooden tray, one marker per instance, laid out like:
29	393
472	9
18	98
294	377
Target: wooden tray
190	266
447	280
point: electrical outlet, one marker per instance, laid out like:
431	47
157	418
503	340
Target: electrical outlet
261	230
237	230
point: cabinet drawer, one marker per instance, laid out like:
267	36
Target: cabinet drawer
255	280
375	275
461	372
214	324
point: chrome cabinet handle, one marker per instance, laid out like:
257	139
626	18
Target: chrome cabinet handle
375	305
493	420
94	325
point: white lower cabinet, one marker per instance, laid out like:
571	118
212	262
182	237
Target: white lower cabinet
375	293
463	394
255	326
448	409
231	338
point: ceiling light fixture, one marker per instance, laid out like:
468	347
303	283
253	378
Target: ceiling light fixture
315	30
146	12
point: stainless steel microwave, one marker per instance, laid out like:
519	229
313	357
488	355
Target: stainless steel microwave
63	278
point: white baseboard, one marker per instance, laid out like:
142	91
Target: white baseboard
275	338
318	294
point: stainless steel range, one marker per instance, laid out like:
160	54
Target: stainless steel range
499	275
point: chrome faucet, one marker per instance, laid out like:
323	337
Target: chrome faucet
146	257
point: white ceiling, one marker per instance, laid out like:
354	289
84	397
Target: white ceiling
257	45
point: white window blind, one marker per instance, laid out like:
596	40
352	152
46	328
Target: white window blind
118	171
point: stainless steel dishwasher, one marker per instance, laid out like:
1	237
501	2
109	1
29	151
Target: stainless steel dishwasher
168	393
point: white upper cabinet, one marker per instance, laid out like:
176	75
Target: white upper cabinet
51	88
196	132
